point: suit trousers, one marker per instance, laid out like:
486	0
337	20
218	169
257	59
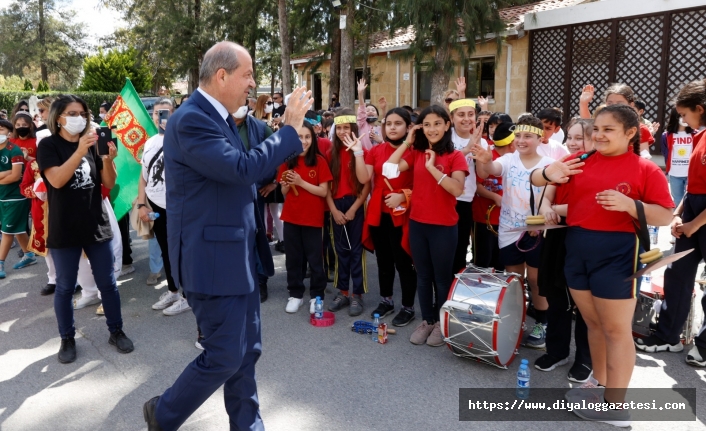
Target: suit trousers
232	345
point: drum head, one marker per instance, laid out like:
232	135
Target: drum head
508	330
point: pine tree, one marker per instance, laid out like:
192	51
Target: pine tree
107	71
28	85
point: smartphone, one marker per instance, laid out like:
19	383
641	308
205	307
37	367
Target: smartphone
163	116
105	135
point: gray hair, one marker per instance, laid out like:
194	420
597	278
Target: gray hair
164	101
222	55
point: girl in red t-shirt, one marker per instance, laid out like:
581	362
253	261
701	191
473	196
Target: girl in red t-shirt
439	175
303	217
384	230
688	228
24	135
602	249
345	200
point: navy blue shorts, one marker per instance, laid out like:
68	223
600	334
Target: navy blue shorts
600	262
525	253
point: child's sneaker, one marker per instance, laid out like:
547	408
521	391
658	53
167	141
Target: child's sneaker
26	261
420	335
339	302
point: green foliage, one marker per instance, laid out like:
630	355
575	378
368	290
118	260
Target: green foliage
42	87
28	85
107	71
41	36
8	99
13	82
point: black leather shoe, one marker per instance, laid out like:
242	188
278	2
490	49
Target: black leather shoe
263	292
148	411
67	351
48	289
121	342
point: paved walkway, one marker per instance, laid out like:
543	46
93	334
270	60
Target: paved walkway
309	378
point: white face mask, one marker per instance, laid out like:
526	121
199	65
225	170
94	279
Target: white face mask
268	109
3	138
277	105
102	116
241	112
74	125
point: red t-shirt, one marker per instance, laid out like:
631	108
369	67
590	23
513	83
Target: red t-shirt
697	166
376	157
324	145
432	204
481	204
306	209
629	174
345	185
29	144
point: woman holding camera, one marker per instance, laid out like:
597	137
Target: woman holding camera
73	173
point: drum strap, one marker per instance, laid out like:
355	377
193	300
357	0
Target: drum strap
643	234
541	198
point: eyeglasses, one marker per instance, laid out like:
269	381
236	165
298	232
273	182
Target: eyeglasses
41	111
75	114
269	103
450	99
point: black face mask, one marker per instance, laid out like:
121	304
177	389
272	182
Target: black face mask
22	132
371	119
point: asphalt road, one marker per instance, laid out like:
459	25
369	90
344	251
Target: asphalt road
309	378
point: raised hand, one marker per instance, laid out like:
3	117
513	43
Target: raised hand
461	87
362	85
483	102
299	102
587	94
352	142
480	154
560	171
411	133
382	104
86	141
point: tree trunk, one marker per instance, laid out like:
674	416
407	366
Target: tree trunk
284	43
193	80
42	43
335	66
440	77
347	93
198	51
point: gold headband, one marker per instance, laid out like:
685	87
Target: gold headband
527	128
505	141
460	103
345	119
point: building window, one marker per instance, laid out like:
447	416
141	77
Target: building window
358	77
480	77
423	87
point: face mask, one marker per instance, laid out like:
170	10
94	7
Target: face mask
371	119
277	105
268	109
3	138
241	112
22	132
102	116
75	125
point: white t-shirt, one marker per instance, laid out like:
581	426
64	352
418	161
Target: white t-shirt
559	136
516	195
681	153
155	188
469	188
552	149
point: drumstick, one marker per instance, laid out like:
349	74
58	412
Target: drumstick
388	184
392	331
294	188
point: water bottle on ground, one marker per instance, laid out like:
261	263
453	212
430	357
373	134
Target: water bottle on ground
153	216
654	234
376	323
318	308
523	382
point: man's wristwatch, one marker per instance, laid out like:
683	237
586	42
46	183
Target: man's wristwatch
140	206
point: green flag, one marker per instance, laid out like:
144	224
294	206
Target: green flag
133	126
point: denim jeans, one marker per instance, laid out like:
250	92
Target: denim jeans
677	185
66	261
156	263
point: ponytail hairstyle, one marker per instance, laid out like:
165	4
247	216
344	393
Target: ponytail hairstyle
402	113
693	95
421	143
626	116
311	153
622	90
338	147
673	122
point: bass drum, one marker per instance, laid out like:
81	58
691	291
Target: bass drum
484	316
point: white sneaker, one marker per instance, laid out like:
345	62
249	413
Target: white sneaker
293	305
168	298
127	269
180	306
312	306
85	301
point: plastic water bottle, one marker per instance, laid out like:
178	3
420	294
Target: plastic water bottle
654	234
646	285
153	216
318	308
523	382
376	323
525	361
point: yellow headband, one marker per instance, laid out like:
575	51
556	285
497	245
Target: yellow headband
345	119
527	128
505	141
460	103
